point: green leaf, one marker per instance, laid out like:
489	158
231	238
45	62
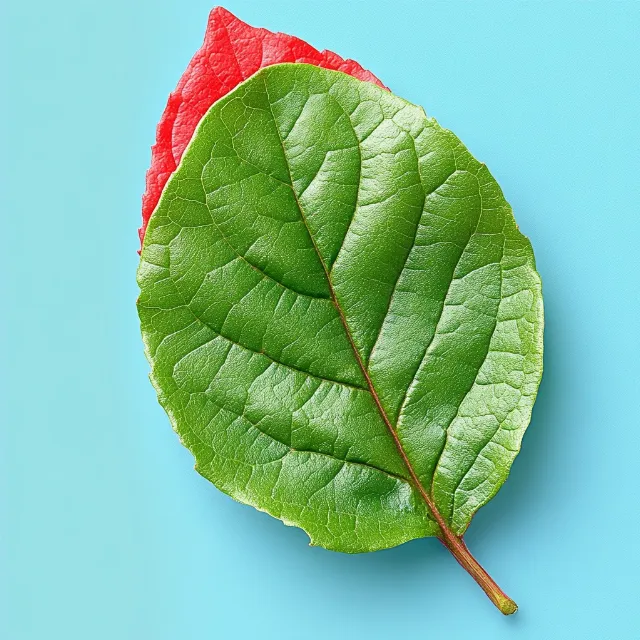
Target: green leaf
343	320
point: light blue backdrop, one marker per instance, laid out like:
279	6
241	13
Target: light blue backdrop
108	533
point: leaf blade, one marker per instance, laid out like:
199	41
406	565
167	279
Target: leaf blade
412	174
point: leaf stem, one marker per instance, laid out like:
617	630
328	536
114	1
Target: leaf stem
462	554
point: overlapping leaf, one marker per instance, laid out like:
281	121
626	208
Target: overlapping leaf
231	52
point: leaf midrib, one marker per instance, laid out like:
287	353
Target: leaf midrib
447	533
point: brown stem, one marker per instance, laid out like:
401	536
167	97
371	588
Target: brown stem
460	552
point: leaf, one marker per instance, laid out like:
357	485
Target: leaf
343	320
232	51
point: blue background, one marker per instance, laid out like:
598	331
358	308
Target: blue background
106	530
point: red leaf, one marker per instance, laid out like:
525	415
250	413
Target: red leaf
231	52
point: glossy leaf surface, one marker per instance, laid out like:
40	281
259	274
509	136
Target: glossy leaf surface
343	320
232	51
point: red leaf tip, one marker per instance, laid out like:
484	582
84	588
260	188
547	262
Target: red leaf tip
231	52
